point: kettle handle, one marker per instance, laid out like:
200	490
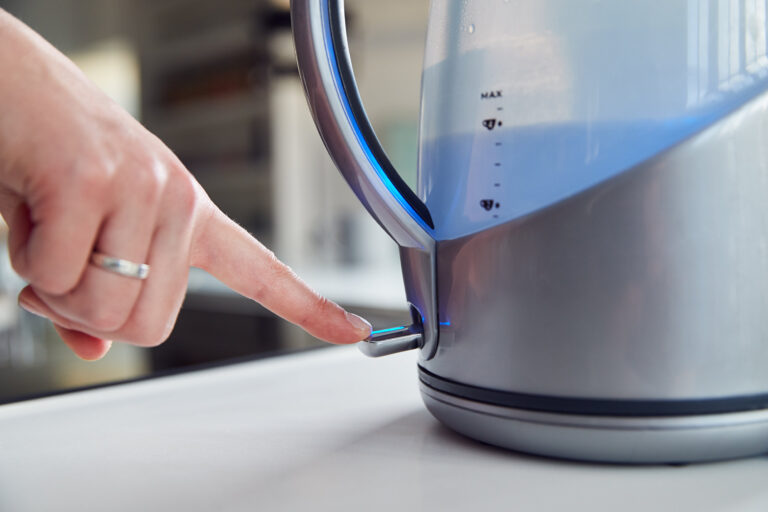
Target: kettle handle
322	52
326	71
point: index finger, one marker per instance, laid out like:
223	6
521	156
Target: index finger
231	254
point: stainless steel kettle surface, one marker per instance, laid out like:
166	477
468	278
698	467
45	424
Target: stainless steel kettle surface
585	257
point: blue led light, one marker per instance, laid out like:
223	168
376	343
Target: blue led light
445	324
358	133
381	331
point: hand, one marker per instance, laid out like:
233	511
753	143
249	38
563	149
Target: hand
78	174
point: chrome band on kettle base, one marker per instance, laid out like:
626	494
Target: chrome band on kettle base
595	406
622	439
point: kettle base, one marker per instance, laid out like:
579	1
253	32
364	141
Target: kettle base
613	439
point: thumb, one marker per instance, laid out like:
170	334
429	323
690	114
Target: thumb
232	255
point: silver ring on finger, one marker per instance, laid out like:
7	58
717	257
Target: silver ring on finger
120	266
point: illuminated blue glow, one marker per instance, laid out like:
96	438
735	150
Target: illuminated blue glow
445	324
358	133
381	331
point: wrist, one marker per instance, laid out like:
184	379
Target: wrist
5	43
18	62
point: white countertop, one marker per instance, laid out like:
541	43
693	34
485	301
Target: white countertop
327	430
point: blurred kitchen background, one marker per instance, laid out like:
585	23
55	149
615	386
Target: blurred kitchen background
217	81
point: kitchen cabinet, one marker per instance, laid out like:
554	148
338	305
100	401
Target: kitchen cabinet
205	79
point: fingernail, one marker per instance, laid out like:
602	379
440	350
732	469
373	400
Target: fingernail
31	308
360	324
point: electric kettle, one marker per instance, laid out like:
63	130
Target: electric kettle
586	256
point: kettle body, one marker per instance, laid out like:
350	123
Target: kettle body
585	255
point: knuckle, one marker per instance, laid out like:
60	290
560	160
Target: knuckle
150	330
279	270
315	311
42	278
259	292
91	182
279	273
324	305
20	266
188	197
185	192
320	306
147	182
151	341
106	319
154	336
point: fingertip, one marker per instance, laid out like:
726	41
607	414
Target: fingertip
97	350
85	346
361	327
340	329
